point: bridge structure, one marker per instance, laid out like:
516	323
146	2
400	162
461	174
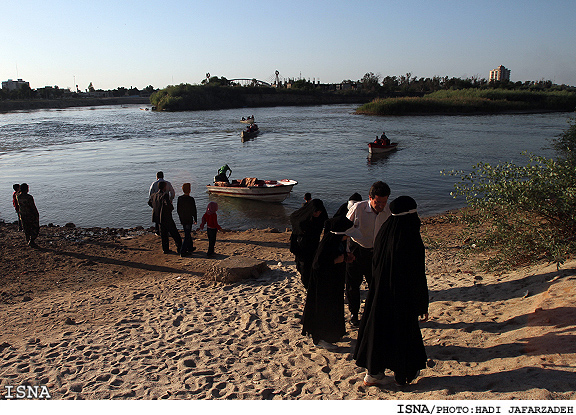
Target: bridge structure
250	82
274	80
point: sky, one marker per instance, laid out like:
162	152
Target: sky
126	43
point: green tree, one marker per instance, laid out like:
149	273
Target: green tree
215	81
302	84
521	214
565	143
91	88
370	81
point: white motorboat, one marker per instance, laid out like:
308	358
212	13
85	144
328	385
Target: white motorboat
249	188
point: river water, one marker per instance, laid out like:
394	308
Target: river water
94	166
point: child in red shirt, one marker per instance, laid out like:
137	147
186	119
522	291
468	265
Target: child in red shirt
210	219
16	188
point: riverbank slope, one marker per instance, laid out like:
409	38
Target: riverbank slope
104	314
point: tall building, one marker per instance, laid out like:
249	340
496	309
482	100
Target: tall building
11	85
500	74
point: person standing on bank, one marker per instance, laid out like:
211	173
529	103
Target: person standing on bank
323	316
154	189
28	215
162	214
210	219
389	336
307	224
367	216
16	188
187	213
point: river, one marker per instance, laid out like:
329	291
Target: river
93	166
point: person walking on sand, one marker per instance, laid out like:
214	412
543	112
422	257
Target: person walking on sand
28	215
323	316
162	214
367	216
186	209
389	336
16	188
210	219
154	189
307	224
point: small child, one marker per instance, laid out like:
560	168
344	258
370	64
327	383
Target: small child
187	213
210	219
16	188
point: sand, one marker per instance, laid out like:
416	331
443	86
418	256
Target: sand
104	314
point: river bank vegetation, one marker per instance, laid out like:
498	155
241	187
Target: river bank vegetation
523	214
187	97
473	101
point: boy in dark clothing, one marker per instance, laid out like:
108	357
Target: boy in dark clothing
162	213
186	208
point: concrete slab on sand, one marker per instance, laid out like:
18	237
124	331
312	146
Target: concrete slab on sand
236	268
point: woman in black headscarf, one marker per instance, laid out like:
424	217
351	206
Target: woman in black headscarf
345	207
323	316
389	336
307	224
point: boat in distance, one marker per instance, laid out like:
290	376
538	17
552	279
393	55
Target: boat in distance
247	135
253	189
375	148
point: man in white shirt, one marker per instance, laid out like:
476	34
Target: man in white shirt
154	189
368	216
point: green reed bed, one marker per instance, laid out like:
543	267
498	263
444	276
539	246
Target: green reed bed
472	101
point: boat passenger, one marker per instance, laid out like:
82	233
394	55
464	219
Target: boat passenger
384	139
223	173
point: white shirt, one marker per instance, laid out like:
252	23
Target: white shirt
367	223
169	188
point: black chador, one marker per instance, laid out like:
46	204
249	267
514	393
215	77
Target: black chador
389	335
323	316
307	224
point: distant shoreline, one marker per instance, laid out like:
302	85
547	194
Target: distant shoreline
251	101
33	104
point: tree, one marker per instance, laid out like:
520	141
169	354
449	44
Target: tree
302	84
215	81
120	92
521	214
565	143
91	88
370	81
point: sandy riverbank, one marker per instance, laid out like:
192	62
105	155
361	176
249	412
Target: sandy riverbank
103	314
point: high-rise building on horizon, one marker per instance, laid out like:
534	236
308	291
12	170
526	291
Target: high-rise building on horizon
500	74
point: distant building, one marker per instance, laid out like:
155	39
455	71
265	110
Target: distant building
11	85
500	74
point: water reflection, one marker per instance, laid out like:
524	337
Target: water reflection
379	158
245	212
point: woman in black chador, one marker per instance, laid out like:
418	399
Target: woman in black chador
323	316
389	335
307	224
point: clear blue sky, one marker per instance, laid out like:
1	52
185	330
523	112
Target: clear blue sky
162	42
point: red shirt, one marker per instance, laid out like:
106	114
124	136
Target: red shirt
211	221
15	202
